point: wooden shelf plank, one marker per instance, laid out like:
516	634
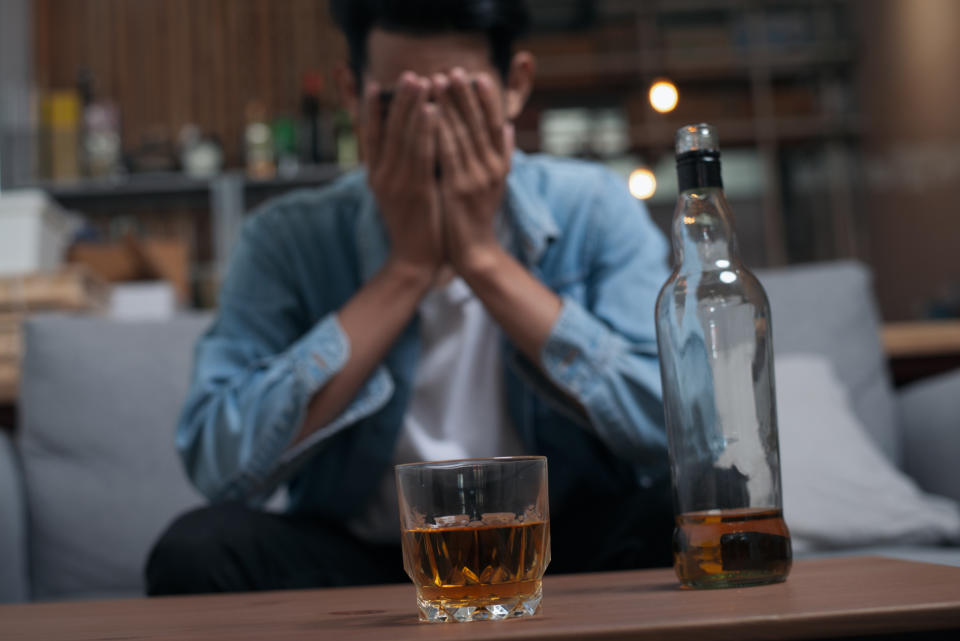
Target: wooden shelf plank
152	184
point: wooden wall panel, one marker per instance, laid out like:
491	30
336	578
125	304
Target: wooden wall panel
911	99
170	62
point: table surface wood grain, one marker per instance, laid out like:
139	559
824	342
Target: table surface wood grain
824	598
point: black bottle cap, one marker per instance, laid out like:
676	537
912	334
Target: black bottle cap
700	168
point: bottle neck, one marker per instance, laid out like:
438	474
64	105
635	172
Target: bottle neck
703	236
699	169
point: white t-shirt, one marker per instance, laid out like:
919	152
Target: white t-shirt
457	407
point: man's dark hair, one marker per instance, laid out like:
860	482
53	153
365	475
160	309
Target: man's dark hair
502	21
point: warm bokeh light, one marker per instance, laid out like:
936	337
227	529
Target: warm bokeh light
642	183
663	96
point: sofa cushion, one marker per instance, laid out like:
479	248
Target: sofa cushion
828	309
99	404
931	433
839	490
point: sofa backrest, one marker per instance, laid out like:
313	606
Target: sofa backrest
99	404
829	309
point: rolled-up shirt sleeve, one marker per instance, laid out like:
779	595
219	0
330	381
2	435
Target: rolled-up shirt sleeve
602	350
255	372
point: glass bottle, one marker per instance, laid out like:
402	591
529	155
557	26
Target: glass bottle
716	364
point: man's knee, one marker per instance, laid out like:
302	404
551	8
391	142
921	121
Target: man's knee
193	553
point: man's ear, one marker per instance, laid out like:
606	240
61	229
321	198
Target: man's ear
347	89
519	82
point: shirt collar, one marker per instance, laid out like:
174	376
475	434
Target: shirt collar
532	224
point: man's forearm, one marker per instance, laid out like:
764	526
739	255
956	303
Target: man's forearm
400	160
372	321
523	306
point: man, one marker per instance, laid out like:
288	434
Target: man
455	299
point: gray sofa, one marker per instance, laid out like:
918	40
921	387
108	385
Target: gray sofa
92	478
93	458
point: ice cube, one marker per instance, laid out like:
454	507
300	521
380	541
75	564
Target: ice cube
453	520
487	575
499	518
530	515
494	574
454	577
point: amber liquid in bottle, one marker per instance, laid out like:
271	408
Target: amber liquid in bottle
728	548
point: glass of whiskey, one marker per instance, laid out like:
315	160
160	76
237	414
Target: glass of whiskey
476	536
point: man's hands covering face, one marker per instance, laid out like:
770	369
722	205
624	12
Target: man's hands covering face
475	146
447	219
400	152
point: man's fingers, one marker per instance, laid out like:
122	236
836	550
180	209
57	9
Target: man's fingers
509	142
412	128
447	147
471	114
464	145
405	95
491	104
371	124
427	149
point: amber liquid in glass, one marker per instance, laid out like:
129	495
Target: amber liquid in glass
498	567
728	548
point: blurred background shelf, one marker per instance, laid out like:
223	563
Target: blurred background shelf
696	63
177	183
208	211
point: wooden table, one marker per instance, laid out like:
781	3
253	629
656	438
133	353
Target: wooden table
821	599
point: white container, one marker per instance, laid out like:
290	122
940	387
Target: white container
34	232
141	301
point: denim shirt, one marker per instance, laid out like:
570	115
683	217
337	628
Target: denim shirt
592	404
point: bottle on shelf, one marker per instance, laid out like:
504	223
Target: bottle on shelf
317	143
258	144
284	130
60	148
716	363
348	154
100	126
200	156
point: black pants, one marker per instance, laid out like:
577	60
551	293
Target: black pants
231	548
